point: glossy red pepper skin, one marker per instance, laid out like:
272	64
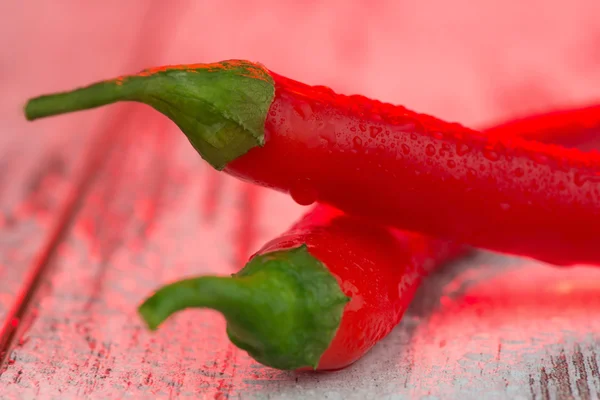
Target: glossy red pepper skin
378	268
422	174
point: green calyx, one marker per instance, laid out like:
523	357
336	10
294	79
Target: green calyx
221	107
283	308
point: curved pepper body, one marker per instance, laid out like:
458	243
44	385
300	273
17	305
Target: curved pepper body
418	173
371	159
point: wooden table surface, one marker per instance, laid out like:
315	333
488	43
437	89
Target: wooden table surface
99	208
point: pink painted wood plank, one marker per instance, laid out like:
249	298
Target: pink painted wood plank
46	167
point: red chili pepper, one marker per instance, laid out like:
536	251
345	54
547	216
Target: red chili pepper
318	296
372	159
575	127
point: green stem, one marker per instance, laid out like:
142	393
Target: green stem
92	96
221	108
223	294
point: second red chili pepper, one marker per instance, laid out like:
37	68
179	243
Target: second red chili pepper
570	127
319	296
372	159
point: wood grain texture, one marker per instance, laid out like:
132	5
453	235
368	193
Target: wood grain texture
46	170
39	163
152	211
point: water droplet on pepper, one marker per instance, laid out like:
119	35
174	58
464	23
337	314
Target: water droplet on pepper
430	150
303	192
374	131
490	154
539	158
462	149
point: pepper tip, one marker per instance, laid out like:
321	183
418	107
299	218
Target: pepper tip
27	111
149	316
